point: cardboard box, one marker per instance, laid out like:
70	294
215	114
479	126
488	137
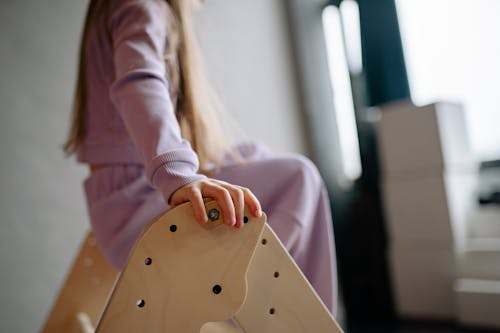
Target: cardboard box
480	259
416	140
431	209
478	302
423	282
484	222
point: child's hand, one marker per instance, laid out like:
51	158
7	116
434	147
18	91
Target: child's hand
231	199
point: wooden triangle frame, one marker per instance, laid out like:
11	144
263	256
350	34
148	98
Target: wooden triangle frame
183	276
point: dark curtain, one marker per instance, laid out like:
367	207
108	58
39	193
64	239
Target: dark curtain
383	61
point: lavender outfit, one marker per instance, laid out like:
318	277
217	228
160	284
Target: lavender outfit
131	127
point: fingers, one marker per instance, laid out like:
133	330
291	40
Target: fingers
198	205
252	202
238	199
193	194
241	196
231	199
223	198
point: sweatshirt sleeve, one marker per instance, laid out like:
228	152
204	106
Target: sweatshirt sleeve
140	94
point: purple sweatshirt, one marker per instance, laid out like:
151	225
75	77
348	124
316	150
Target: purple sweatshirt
130	116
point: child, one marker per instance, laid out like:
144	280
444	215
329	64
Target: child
144	121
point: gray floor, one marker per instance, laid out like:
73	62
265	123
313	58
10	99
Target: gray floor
420	327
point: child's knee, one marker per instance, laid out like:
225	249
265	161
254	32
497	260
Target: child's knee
303	170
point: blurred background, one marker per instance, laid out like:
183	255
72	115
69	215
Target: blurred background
396	101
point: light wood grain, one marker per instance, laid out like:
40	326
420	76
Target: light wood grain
174	272
85	323
220	327
85	290
280	299
177	287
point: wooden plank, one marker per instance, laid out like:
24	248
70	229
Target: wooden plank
85	290
280	299
183	274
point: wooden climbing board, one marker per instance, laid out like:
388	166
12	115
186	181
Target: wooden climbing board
85	290
183	276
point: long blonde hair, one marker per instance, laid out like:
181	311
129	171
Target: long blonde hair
196	103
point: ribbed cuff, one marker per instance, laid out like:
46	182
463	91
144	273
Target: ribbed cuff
172	170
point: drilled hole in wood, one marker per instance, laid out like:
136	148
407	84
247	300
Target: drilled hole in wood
245	219
173	228
95	280
87	261
264	241
272	311
217	289
91	241
140	303
148	261
276	274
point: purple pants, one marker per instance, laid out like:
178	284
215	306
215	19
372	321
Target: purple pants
121	202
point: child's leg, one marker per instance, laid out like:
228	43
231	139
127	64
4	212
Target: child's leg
293	196
121	203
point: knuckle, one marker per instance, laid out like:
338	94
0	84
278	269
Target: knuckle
192	191
204	183
226	194
220	191
246	190
222	183
240	195
225	198
236	191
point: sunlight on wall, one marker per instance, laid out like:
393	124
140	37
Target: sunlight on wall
349	13
342	94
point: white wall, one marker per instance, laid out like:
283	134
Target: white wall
42	211
42	214
247	48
